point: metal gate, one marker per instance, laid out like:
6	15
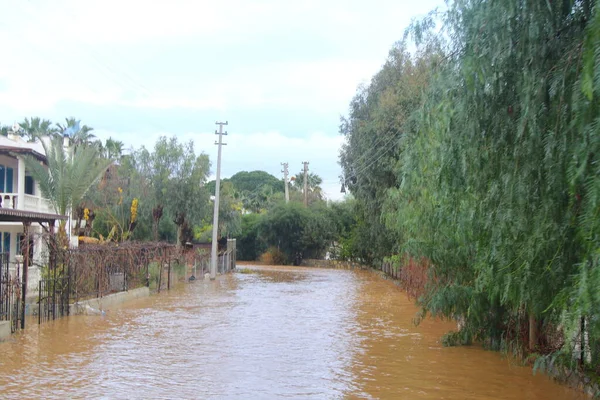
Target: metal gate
53	298
10	295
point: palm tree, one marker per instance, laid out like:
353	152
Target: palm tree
35	127
100	147
78	134
69	175
113	148
314	182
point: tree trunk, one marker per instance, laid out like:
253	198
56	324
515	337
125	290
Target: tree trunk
179	221
63	241
156	216
533	333
179	229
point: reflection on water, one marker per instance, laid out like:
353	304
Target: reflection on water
275	332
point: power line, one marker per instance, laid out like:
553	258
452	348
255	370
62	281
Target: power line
377	142
377	159
387	148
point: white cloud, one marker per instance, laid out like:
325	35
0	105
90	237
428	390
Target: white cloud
132	21
162	102
60	51
304	58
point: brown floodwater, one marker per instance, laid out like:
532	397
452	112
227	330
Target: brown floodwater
274	333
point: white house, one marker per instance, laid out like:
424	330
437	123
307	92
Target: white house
19	191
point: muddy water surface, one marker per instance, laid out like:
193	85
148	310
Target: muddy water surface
273	333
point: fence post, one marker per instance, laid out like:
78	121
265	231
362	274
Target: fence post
40	301
169	274
161	268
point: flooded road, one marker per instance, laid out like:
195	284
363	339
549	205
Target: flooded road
273	333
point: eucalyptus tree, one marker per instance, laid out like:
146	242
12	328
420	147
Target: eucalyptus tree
380	115
173	179
230	211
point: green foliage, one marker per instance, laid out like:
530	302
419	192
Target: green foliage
380	114
179	268
154	272
173	176
284	228
454	338
203	234
250	181
69	173
230	211
249	247
297	231
35	127
313	183
480	154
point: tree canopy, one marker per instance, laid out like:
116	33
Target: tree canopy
478	152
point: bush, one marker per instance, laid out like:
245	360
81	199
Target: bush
179	268
249	247
154	270
297	231
273	256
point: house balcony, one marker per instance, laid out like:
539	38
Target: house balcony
30	203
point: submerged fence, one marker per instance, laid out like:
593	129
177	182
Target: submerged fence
98	270
94	270
11	307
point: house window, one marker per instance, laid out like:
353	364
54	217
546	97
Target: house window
6	179
9	180
5	243
29	185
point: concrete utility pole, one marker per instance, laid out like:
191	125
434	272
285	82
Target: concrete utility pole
305	182
213	255
285	180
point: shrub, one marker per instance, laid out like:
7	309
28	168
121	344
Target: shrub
273	256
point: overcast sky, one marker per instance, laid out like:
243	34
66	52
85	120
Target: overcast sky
281	72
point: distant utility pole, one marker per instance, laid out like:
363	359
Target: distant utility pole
305	183
213	256
285	180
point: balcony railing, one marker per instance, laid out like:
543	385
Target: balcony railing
31	203
8	200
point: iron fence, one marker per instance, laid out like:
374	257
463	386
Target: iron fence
11	308
53	301
99	270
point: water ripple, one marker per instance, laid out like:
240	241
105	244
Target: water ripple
276	333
